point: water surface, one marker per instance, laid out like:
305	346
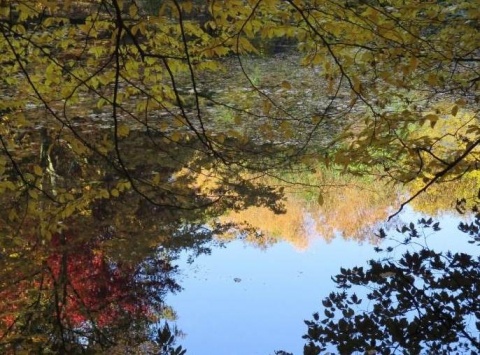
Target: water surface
244	300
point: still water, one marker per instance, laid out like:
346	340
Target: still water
243	300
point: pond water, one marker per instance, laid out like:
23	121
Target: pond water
121	160
244	300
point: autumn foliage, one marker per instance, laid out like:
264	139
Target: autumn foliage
77	289
112	110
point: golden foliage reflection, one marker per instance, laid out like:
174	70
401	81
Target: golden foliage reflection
352	209
270	227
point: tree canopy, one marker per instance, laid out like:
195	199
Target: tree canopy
140	122
391	71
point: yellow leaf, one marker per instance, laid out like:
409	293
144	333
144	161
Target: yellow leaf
69	197
156	179
286	85
176	136
78	147
47	235
432	118
114	193
37	170
320	199
246	46
33	194
455	110
124	185
101	103
133	10
267	106
123	130
357	85
187	6
68	211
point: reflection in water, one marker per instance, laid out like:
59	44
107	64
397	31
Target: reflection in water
66	295
101	283
263	227
435	201
86	262
351	209
411	299
355	210
85	258
129	163
280	287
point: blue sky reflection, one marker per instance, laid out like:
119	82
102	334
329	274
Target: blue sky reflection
278	289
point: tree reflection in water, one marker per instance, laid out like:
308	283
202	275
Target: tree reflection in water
423	301
71	294
86	261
